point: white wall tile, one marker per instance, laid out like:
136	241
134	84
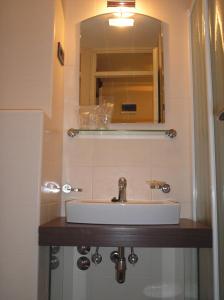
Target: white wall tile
121	152
78	152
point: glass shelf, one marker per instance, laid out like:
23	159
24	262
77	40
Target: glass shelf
171	133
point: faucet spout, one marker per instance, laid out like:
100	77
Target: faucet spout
122	184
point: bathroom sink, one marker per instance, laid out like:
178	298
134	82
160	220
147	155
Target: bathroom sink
133	212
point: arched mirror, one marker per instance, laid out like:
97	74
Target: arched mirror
123	65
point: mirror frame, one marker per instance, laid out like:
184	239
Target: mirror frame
146	125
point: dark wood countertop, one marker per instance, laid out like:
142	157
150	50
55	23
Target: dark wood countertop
187	234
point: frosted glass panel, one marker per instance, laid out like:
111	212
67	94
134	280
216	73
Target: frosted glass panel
216	11
201	143
202	170
158	274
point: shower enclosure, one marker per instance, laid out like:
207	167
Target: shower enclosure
207	43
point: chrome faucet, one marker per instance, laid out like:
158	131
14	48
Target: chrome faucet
122	184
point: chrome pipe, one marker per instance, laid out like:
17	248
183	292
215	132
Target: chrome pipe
120	266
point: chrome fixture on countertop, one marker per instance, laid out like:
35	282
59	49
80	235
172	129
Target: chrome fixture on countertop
122	184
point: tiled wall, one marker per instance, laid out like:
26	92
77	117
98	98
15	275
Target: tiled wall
96	164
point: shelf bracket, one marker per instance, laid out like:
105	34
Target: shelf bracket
72	132
172	133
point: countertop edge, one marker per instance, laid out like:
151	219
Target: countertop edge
186	234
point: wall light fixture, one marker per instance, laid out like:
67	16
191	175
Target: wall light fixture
123	12
120	3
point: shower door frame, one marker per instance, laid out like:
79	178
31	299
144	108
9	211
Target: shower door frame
212	157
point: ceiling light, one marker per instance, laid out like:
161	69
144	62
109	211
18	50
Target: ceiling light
121	22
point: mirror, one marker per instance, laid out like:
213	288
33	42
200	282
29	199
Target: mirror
123	66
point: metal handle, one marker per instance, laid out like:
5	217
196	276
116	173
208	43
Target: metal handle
67	188
83	249
220	115
54	262
160	185
83	263
54	187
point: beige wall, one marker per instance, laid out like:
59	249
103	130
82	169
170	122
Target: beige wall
96	164
52	148
26	30
31	78
53	127
31	75
20	164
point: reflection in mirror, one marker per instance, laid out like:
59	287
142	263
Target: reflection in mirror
123	66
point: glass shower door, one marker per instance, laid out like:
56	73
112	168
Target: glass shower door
216	19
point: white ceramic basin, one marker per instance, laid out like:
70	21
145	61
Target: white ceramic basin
133	212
